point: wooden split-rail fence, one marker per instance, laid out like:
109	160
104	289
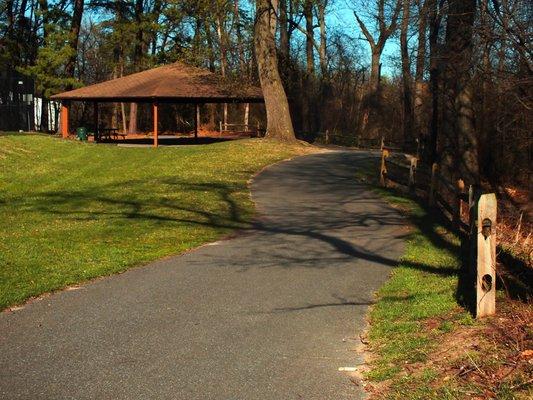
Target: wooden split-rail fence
455	201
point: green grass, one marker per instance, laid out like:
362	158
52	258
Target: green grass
417	306
423	286
417	326
72	211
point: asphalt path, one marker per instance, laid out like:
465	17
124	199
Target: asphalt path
272	313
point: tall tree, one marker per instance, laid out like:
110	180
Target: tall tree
284	42
385	30
75	26
322	52
279	123
435	65
309	37
138	54
371	123
406	73
420	131
459	144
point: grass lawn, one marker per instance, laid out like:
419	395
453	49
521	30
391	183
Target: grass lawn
423	344
415	307
72	211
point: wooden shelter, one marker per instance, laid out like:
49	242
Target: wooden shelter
173	83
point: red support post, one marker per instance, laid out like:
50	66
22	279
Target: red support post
64	119
155	123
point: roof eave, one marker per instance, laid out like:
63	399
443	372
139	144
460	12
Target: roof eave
180	100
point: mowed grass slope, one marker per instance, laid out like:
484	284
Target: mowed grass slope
72	211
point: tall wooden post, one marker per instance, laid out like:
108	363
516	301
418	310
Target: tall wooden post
383	168
95	121
246	116
196	120
486	255
156	133
433	185
64	119
457	206
197	124
412	174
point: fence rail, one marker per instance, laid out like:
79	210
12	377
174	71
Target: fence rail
454	202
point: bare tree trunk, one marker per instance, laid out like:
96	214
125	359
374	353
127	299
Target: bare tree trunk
323	38
419	129
309	28
44	123
434	77
284	43
246	114
406	74
137	59
279	123
210	47
375	70
486	73
123	115
75	26
223	56
240	49
460	145
133	118
370	116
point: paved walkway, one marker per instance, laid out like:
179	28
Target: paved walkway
270	314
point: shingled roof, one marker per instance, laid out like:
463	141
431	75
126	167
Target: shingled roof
176	83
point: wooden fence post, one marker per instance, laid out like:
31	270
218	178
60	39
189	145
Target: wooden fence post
485	237
457	206
412	174
383	168
433	184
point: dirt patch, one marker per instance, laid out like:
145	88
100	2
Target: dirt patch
492	359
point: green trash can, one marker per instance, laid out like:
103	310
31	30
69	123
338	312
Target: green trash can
81	133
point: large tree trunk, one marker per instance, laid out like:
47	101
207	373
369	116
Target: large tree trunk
279	124
375	69
44	123
240	48
137	59
223	56
406	75
485	121
308	87
323	38
75	26
420	130
434	78
460	146
210	46
309	28
371	115
284	43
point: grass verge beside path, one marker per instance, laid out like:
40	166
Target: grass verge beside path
422	344
72	211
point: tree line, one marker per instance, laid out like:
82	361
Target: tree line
458	86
